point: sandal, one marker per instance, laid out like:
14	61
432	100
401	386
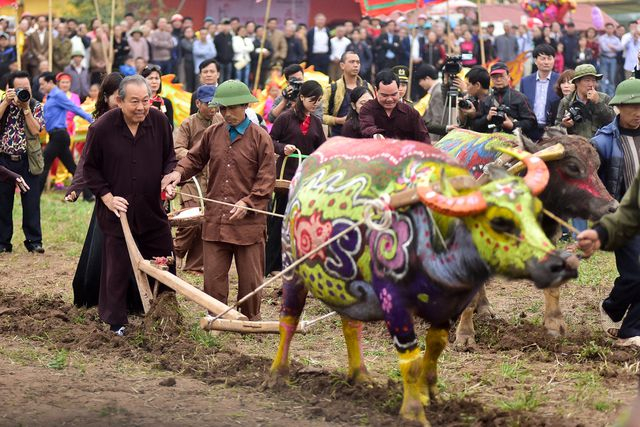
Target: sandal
629	342
610	327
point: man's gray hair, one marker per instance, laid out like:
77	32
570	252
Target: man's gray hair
135	79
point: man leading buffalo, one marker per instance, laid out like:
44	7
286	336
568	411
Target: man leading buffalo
241	163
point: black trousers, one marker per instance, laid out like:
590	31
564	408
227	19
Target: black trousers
625	294
86	281
320	61
58	146
30	204
273	249
116	270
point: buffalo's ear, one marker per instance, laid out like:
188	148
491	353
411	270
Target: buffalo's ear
528	144
496	172
554	132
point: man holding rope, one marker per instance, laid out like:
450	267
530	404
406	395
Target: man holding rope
241	165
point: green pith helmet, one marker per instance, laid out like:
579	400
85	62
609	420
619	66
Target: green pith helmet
232	92
584	70
627	92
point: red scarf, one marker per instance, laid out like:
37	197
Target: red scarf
304	126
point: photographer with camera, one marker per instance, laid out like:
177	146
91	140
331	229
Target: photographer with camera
337	96
504	109
585	110
20	152
474	88
295	77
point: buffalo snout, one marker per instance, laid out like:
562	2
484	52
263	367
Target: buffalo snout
554	269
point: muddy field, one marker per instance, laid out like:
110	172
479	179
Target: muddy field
59	365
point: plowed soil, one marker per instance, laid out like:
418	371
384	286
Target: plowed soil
59	364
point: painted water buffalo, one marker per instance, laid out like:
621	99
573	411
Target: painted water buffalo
574	190
443	239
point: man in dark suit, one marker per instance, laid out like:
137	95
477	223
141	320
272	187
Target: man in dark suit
539	88
387	48
318	45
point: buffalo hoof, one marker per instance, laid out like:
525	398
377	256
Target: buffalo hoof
485	311
413	411
465	343
277	379
360	377
555	326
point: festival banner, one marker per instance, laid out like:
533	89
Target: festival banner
386	7
433	2
516	67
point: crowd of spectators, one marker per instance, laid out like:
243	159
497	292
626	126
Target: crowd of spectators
179	47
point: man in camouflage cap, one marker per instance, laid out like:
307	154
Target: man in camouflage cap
618	145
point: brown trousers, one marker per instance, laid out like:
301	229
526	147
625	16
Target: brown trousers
188	240
250	267
116	270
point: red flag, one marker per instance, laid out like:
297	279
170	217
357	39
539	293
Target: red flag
8	3
386	7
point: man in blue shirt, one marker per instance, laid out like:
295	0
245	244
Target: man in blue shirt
55	121
539	88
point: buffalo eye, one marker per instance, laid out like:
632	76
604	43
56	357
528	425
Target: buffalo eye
503	225
572	169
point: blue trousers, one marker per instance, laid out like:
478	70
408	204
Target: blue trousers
243	74
30	205
608	67
625	294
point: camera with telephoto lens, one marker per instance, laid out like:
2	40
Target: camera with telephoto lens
466	103
291	92
23	95
575	111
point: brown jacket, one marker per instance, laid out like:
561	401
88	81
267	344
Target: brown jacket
34	51
279	44
99	52
240	170
185	137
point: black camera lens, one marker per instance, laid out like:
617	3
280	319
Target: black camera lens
465	104
23	95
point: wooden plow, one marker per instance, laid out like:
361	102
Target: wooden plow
231	320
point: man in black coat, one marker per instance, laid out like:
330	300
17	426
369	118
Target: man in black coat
130	150
387	48
224	47
504	109
295	51
319	45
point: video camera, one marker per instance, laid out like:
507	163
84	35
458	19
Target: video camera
452	64
291	92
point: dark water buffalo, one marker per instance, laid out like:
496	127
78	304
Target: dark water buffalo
574	191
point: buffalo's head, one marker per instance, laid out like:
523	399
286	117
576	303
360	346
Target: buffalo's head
574	189
502	217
